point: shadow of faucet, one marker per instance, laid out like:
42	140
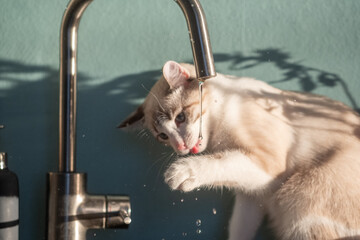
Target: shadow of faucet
71	210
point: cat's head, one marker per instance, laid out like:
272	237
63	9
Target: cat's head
171	111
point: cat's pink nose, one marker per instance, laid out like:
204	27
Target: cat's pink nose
181	146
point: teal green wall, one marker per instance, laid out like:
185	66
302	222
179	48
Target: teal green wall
299	45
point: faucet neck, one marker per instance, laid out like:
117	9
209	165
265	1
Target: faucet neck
199	38
68	78
203	60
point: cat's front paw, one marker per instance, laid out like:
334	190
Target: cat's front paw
182	175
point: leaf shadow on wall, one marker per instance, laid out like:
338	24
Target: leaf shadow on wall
23	110
308	78
29	98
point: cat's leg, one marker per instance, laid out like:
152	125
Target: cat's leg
246	218
228	169
313	227
318	203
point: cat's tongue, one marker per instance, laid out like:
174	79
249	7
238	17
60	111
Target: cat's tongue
195	149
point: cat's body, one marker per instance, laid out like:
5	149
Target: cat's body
293	156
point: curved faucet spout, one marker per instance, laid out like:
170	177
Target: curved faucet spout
68	70
71	211
199	38
203	60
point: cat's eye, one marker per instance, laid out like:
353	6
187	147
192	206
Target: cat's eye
180	118
163	136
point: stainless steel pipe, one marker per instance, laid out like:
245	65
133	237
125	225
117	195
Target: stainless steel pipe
199	38
68	74
202	54
71	211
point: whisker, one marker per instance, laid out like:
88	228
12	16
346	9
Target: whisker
163	158
153	164
165	163
142	133
153	96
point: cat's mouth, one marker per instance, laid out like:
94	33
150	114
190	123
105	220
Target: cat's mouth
196	148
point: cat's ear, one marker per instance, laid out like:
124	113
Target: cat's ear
175	74
134	121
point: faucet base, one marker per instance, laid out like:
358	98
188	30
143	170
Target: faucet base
71	211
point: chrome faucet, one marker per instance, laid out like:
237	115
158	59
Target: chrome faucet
71	210
199	38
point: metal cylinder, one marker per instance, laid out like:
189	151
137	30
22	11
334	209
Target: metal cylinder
199	38
72	211
118	211
9	202
201	48
66	192
68	73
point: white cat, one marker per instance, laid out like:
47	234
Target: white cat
292	156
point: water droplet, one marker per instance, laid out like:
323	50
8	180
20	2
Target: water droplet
173	203
198	231
144	185
184	234
196	199
94	234
201	83
198	222
214	211
182	200
83	135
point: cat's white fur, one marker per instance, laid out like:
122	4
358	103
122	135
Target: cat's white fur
293	156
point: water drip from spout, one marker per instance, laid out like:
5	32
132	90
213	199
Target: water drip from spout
200	95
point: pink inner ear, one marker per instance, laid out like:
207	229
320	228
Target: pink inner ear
175	74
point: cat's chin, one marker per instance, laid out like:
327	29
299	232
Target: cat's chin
188	151
183	152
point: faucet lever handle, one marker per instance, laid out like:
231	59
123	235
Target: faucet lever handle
118	212
125	216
